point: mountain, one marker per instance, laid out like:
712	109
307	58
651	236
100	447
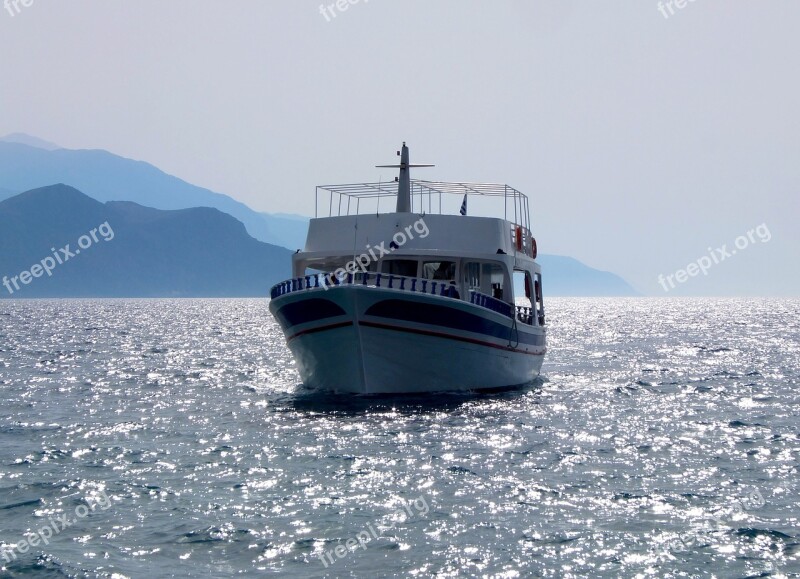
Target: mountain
568	277
27	163
108	177
289	228
6	193
24	139
122	249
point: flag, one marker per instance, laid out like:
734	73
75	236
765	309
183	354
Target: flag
464	205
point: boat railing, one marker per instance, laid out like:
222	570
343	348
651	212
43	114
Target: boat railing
491	303
326	281
443	288
426	198
523	239
525	314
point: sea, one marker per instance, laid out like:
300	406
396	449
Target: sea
172	438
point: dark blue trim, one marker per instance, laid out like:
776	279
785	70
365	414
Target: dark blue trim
450	337
491	303
305	311
449	317
319	329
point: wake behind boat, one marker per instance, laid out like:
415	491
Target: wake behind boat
415	300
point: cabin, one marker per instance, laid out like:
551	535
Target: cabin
489	261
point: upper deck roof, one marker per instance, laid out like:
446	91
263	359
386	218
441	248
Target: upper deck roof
426	198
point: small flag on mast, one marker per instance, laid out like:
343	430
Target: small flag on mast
464	205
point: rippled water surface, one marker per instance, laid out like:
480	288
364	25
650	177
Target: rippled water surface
662	440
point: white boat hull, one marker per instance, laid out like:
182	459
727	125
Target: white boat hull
367	340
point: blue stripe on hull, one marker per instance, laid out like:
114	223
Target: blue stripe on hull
449	317
308	310
450	337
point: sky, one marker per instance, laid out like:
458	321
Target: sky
648	136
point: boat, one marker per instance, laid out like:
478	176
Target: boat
421	299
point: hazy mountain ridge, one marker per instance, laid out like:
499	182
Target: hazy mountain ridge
142	191
6	193
146	252
176	253
108	177
29	140
567	277
290	229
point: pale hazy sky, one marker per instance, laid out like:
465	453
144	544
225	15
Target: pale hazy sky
641	140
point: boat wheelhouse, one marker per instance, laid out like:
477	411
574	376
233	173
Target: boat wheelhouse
421	299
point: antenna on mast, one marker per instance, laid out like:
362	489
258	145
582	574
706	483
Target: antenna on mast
404	180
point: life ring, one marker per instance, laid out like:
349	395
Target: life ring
519	238
534	249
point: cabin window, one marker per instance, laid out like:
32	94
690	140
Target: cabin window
494	277
538	299
404	267
523	288
472	275
439	270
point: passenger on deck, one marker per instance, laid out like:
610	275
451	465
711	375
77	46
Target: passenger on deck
454	291
497	291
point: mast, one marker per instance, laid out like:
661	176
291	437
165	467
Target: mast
404	180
